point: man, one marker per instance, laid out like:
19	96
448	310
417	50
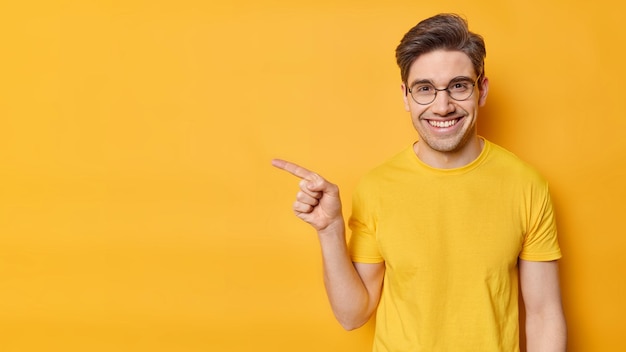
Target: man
443	232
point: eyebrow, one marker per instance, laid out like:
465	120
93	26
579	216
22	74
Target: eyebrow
428	81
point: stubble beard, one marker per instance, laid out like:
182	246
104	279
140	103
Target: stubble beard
450	144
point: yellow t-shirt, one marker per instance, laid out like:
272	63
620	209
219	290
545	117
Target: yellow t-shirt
450	240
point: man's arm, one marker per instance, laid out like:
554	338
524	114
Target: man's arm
353	288
545	323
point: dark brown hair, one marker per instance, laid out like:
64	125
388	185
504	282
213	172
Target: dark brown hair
445	32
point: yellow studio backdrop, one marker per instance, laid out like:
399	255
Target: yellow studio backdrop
138	207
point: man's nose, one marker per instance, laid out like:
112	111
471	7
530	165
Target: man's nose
443	103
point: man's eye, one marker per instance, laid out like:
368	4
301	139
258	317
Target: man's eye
460	86
423	89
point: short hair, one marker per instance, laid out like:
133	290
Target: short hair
440	32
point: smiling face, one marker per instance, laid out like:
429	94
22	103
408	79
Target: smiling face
446	127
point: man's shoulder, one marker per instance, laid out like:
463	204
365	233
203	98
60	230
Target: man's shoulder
508	162
398	162
389	170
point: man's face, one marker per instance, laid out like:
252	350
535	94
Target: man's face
445	125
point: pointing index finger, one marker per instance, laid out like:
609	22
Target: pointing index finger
292	168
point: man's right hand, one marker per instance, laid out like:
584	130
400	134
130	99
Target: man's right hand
318	202
353	289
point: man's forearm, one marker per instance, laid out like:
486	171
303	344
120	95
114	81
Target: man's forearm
346	291
547	333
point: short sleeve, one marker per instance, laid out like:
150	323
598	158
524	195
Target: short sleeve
363	245
540	241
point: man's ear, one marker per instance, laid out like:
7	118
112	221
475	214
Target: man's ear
483	89
405	97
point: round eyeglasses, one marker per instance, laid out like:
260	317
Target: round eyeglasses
458	89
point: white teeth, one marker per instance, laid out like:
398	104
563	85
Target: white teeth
442	124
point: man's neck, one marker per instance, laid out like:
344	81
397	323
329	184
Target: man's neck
449	160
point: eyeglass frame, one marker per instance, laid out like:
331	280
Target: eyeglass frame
447	89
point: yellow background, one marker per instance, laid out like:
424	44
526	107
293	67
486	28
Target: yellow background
138	207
